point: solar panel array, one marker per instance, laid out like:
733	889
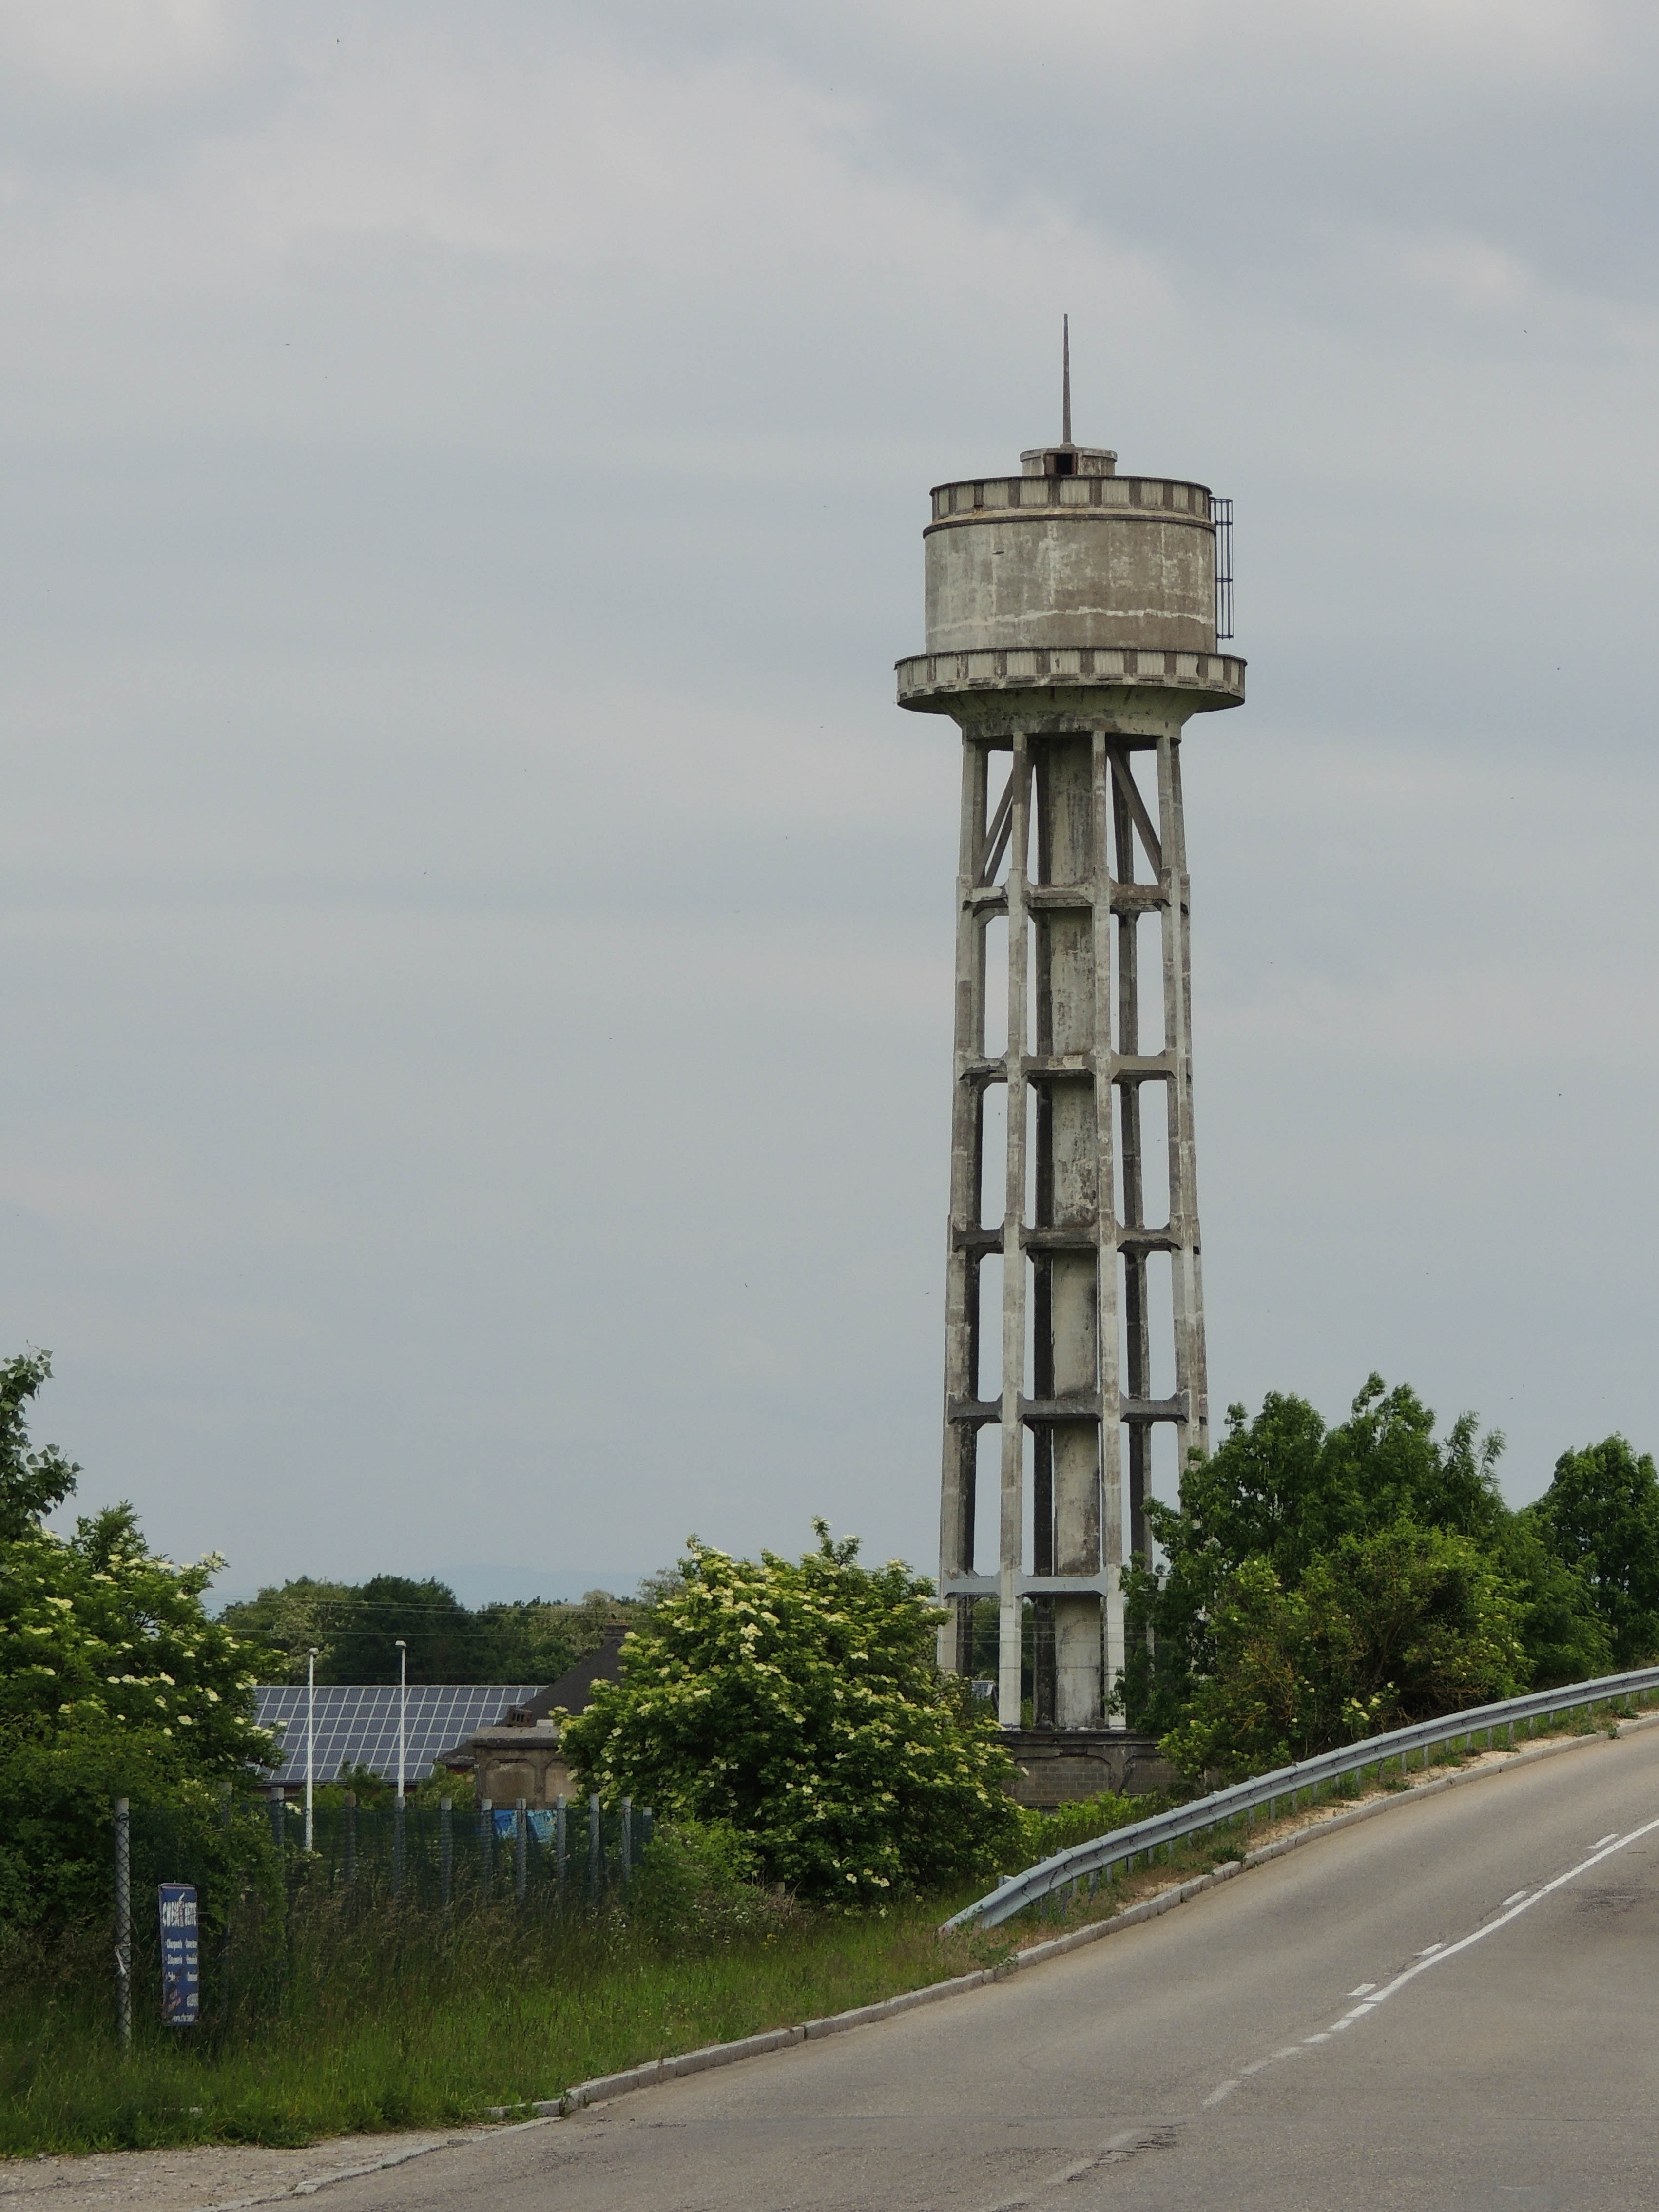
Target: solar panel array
356	1724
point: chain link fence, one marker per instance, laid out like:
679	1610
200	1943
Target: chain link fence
374	1883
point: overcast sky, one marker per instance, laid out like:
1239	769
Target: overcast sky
477	932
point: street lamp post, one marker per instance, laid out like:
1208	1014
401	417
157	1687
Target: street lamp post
311	1735
403	1711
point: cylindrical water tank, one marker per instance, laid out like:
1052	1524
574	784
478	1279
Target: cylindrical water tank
1071	553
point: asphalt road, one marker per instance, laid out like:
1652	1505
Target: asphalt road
1454	2005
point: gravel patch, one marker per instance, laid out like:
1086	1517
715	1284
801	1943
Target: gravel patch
206	2178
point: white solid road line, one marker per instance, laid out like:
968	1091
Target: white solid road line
1600	1840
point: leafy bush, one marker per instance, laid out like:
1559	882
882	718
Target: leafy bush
1043	1834
696	1888
798	1702
1318	1582
56	1828
1562	1630
113	1681
1392	1627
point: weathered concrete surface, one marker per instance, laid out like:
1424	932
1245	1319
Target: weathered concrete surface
1071	560
1057	1766
1195	2060
212	2177
510	1763
1105	585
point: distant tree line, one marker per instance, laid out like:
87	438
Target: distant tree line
353	1628
1319	1584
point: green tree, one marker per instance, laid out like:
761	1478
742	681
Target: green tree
1563	1636
113	1680
1285	1489
534	1642
354	1627
1396	1624
797	1703
292	1620
429	1617
1600	1515
31	1482
96	1630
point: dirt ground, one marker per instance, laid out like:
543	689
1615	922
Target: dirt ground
211	2179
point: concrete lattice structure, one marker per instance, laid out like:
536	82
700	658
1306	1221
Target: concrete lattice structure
1071	630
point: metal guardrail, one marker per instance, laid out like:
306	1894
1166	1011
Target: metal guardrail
1122	1846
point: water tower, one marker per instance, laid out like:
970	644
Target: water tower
1073	621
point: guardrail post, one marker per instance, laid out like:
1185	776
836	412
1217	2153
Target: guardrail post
445	1851
560	1821
520	1851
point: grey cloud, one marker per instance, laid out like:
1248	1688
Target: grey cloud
477	930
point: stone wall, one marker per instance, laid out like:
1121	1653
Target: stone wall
1056	1767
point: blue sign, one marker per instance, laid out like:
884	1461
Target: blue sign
181	1971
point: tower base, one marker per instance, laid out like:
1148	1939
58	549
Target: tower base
1056	1767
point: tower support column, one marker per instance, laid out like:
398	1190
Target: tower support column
957	1500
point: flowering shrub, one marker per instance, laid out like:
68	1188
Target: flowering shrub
798	1702
113	1681
95	1629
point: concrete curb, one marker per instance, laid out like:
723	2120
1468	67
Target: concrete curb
607	2085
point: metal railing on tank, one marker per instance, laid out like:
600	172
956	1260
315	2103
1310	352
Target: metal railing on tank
1221	514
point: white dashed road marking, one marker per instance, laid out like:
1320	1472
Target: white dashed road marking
1434	1953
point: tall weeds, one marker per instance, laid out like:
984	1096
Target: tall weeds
399	2018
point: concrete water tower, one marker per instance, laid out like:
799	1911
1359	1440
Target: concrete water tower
1073	621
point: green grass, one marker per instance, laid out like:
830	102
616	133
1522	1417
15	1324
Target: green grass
390	2018
411	2025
